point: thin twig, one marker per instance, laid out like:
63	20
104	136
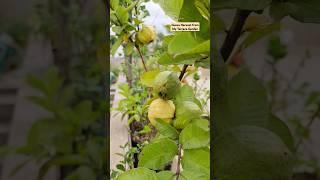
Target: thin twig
183	71
234	33
312	120
179	159
142	59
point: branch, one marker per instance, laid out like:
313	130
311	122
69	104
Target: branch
312	120
141	56
179	159
234	33
183	71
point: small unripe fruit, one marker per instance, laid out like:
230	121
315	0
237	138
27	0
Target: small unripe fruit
146	35
167	85
162	109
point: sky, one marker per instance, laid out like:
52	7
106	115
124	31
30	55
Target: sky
157	17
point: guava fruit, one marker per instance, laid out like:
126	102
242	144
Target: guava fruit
162	109
166	85
146	35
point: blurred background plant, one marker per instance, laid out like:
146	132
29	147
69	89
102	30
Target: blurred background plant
285	93
72	137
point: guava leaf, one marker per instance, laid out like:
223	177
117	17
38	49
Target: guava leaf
307	11
185	112
203	7
114	4
140	173
245	103
241	4
128	48
195	135
259	34
166	129
219	87
248	152
278	127
148	77
195	16
116	45
201	51
171	8
122	15
181	42
158	154
193	175
196	160
165	175
186	93
82	173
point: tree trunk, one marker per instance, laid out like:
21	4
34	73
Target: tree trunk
61	39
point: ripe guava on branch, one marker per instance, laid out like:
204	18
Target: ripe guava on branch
146	35
162	109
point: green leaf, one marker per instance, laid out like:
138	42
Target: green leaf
259	34
248	152
201	51
245	103
241	4
203	7
195	16
116	45
128	49
220	84
193	175
114	4
140	173
166	59
82	173
195	136
165	175
49	84
48	133
186	111
278	127
171	8
307	11
158	154
182	42
197	160
148	77
73	159
6	150
166	129
122	14
185	93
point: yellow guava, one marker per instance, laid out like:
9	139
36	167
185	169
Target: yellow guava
162	109
146	35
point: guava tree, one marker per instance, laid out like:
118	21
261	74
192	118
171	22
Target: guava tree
172	108
250	141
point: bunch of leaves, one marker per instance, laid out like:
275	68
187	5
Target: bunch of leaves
128	159
125	20
189	134
132	104
74	122
243	119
